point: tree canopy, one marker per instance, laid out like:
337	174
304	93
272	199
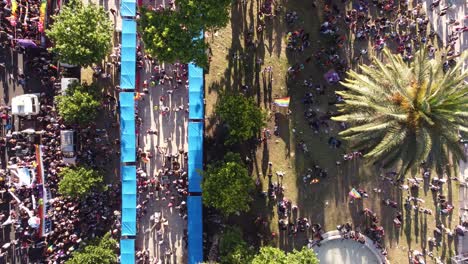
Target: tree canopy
176	35
269	255
233	249
101	251
405	114
80	105
77	182
242	117
227	185
82	35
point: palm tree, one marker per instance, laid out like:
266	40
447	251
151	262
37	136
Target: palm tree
406	113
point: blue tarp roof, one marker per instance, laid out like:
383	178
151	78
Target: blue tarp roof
129	200
127	127
128	52
127	251
195	229
195	155
128	148
128	222
128	173
195	92
128	8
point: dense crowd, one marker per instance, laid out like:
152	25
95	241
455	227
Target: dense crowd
165	192
51	237
21	20
395	26
71	221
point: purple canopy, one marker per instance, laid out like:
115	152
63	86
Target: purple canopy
27	43
332	76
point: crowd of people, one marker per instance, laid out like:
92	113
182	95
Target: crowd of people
21	22
29	181
162	178
68	221
372	26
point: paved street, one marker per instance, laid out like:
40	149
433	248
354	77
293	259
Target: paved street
171	138
458	11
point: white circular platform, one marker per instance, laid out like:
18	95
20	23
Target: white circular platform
334	249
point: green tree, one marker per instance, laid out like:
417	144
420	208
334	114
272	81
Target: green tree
305	256
174	35
269	255
80	105
206	14
167	37
101	251
242	117
233	249
77	182
403	113
227	185
81	35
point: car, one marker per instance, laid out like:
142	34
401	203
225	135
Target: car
68	146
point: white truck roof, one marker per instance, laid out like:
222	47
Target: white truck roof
25	104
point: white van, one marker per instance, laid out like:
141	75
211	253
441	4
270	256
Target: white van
68	146
25	105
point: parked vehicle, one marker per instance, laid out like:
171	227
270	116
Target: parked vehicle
25	105
68	146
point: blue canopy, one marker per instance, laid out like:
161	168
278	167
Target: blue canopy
128	173
127	127
128	8
195	155
195	92
128	51
195	229
129	200
129	221
127	251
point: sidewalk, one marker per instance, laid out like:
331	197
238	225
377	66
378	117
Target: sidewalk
171	138
458	11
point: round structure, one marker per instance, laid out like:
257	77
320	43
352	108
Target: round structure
334	249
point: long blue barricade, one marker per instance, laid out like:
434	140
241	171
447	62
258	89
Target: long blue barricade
128	131
195	164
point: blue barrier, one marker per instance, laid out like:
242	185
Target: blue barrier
127	251
195	155
195	229
127	130
196	104
128	55
127	127
195	163
129	200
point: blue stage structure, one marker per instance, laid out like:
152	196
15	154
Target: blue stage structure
128	55
127	251
195	229
128	8
127	127
195	155
129	200
195	164
196	92
127	130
